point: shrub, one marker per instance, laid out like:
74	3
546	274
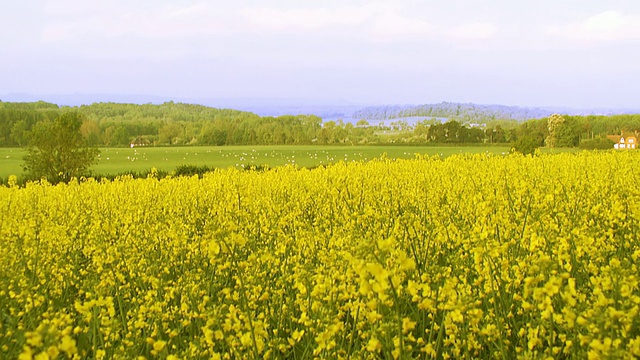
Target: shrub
597	143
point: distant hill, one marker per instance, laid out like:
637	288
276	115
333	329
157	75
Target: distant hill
465	113
259	106
174	123
474	113
330	109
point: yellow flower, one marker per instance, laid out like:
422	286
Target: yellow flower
26	354
407	325
42	356
159	345
374	345
68	346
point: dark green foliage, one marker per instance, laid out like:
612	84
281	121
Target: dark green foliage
112	124
453	132
20	181
597	143
527	144
157	174
57	150
191	170
259	168
120	137
566	136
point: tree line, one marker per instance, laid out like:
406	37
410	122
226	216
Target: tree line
115	124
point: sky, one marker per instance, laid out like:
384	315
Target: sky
573	53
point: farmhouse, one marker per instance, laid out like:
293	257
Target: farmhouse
626	140
140	141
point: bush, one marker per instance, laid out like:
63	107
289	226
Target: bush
526	144
158	174
190	170
597	143
57	150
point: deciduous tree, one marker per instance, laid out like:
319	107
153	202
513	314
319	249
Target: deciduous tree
57	151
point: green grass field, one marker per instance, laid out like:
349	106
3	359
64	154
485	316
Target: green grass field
118	160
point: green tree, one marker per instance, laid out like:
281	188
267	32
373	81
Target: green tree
90	130
554	123
57	151
171	133
565	136
19	132
362	123
601	143
526	144
120	136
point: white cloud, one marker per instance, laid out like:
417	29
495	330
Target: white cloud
167	22
473	31
308	18
391	26
376	22
68	8
606	26
121	29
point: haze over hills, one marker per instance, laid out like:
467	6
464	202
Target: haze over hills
260	106
331	109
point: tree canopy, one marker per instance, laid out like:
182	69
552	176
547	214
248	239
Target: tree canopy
57	151
114	124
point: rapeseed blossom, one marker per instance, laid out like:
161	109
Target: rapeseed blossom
473	256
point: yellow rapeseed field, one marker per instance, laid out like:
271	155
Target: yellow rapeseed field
473	256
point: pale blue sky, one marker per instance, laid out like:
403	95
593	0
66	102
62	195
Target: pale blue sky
578	53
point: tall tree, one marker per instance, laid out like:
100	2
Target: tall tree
554	122
57	151
19	132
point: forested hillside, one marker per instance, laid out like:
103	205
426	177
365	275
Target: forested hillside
114	124
111	124
464	113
